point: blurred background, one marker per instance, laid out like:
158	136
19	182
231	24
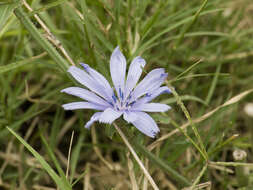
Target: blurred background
205	46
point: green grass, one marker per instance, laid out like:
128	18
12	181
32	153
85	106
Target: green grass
205	46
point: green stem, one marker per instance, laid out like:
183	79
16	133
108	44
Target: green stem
187	115
188	137
159	162
199	177
235	164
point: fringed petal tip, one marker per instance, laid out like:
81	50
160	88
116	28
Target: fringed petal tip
85	66
88	124
143	122
154	134
167	108
93	118
165	75
167	91
63	90
66	107
105	121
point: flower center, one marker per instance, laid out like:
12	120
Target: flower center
121	104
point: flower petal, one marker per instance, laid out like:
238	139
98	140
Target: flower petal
134	74
100	79
151	107
161	90
94	117
118	71
86	80
86	95
152	95
130	116
109	115
152	81
143	122
83	105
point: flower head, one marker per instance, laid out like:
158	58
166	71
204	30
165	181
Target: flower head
127	98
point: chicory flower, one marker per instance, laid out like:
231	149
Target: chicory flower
131	100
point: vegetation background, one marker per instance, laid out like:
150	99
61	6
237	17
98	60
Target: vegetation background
205	46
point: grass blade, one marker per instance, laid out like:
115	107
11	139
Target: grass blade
5	12
16	65
159	162
24	19
44	164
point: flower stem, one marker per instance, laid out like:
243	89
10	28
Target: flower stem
199	177
150	179
187	115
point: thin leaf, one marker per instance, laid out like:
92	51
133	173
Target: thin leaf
43	163
16	65
5	12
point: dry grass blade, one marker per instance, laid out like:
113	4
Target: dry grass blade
50	36
145	180
206	185
240	55
69	153
29	98
146	173
87	178
40	187
131	173
205	116
6	155
235	164
21	149
221	168
65	128
96	149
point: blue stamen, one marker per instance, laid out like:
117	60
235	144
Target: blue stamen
121	94
114	98
132	103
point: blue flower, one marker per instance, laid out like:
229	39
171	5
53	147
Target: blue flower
131	100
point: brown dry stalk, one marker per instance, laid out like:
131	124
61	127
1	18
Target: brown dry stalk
49	35
202	118
97	150
146	173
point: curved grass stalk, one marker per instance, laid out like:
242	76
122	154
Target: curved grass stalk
146	173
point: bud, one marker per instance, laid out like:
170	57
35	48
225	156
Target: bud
239	155
248	108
